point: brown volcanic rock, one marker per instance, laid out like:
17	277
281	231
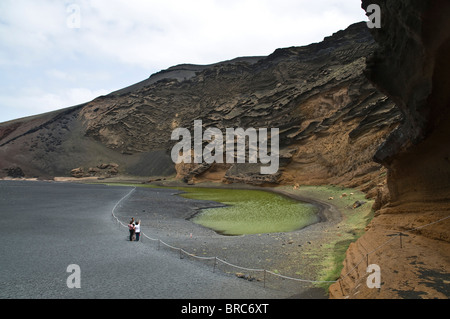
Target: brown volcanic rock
413	68
77	172
331	119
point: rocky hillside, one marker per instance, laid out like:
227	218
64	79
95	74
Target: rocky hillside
411	66
331	120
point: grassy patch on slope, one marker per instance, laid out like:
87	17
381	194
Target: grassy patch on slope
329	259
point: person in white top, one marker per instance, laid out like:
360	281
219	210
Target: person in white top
137	230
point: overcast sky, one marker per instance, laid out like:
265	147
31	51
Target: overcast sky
59	53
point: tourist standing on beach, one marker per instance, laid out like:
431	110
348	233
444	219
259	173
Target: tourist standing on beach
131	228
137	230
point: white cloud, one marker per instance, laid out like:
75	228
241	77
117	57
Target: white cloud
159	32
164	33
60	75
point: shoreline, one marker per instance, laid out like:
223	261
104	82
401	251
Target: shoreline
323	244
302	254
322	214
326	212
308	253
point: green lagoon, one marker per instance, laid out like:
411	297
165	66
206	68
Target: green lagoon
251	211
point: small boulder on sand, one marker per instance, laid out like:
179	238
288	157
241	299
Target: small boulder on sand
358	203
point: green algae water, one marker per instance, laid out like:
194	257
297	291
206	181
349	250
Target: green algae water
251	211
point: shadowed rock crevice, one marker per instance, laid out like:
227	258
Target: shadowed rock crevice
411	66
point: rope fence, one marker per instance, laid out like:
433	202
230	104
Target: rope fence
265	272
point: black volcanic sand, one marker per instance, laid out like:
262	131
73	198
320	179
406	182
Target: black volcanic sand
165	216
46	226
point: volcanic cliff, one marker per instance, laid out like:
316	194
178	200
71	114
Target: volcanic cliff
409	237
363	108
331	120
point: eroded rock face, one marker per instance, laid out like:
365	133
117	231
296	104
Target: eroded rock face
412	67
102	170
331	119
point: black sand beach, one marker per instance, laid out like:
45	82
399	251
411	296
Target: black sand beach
46	226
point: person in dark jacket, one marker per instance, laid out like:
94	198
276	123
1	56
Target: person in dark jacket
132	228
